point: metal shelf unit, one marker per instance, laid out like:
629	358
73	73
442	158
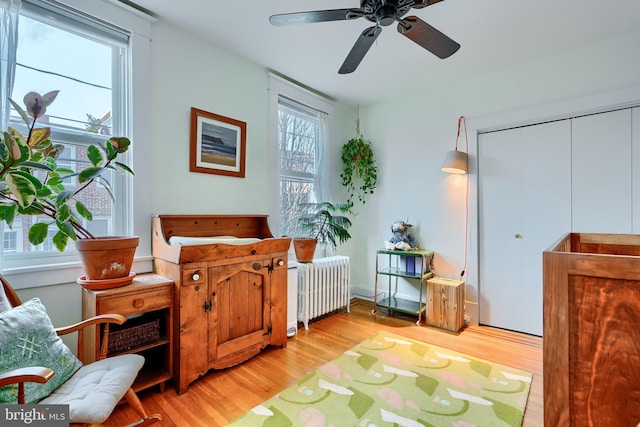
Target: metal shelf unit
413	265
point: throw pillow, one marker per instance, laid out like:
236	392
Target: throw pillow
27	338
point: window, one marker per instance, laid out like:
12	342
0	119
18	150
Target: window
86	59
300	143
301	135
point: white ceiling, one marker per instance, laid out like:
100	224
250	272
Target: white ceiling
494	34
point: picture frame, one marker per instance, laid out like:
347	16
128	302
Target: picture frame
218	144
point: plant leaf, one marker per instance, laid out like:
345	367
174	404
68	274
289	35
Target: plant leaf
20	111
89	173
83	211
8	213
125	167
49	97
121	143
21	188
60	240
38	135
67	228
94	155
38	233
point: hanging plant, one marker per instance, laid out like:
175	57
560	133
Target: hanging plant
360	174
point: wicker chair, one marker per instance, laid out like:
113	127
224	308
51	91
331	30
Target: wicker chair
90	401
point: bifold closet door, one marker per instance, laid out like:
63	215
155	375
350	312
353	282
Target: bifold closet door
601	173
524	177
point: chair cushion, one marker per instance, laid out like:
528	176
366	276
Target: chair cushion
93	392
27	338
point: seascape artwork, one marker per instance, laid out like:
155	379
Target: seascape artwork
218	144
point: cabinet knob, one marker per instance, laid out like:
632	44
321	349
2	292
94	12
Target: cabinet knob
195	276
280	262
138	302
256	266
517	236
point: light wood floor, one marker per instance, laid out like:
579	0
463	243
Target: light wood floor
221	396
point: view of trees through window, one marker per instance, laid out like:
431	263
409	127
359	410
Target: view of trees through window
298	141
52	56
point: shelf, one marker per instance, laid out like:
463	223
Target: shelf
139	348
394	271
401	305
412	253
150	375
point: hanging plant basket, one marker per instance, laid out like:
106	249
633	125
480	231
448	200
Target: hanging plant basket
360	174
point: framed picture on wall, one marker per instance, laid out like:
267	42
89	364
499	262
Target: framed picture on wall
218	144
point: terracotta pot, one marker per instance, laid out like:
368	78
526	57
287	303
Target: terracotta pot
109	257
305	248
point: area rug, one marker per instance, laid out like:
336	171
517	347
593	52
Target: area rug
388	380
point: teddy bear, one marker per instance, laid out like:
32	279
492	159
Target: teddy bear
401	238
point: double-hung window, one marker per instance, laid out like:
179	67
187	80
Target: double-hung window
301	131
301	128
87	60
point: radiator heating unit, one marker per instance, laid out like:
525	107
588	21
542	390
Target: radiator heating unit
323	287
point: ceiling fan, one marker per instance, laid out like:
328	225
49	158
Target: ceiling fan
383	13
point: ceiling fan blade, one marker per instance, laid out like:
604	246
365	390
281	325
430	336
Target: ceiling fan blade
428	37
419	4
315	16
360	49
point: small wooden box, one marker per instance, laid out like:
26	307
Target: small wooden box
445	303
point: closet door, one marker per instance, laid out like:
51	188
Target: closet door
525	195
601	173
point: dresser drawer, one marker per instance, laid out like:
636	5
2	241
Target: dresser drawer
136	303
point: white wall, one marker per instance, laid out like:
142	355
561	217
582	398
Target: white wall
412	133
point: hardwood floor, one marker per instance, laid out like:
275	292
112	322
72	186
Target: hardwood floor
221	396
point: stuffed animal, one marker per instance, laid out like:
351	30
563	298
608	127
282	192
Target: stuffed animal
401	238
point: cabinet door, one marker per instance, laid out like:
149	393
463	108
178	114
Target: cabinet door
601	173
525	195
192	314
240	317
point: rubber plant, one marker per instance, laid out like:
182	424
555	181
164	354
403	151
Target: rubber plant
32	183
360	173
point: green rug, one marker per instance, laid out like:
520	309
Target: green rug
389	380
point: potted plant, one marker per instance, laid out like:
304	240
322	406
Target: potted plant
321	224
360	173
32	183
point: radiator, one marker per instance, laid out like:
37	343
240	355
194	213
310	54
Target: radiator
323	287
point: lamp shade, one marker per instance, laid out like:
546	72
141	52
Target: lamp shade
455	162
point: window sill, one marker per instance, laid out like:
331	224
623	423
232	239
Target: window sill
56	274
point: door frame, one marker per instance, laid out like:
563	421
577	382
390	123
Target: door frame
540	113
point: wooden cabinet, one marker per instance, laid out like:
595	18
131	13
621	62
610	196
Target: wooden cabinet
591	352
446	303
230	300
395	264
148	304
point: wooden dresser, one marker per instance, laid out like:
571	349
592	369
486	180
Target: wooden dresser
230	299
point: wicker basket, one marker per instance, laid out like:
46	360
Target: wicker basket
132	336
